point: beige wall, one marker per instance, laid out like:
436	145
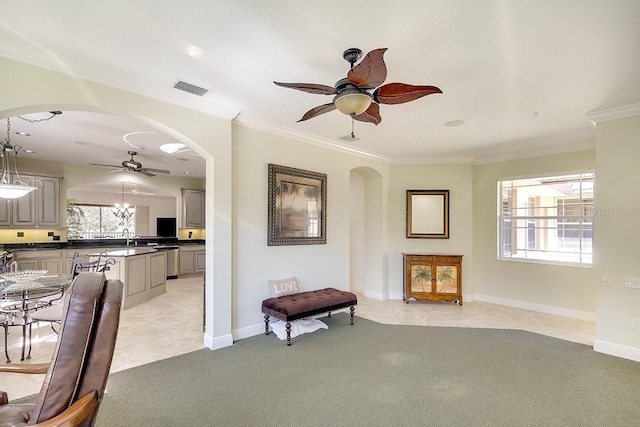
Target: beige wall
617	234
254	263
453	177
523	284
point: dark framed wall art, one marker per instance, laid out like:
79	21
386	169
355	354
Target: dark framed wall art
297	207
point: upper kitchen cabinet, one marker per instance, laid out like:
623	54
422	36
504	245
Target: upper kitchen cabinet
193	211
48	203
40	208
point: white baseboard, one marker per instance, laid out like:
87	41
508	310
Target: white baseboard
396	295
374	295
548	309
248	331
617	350
214	343
356	289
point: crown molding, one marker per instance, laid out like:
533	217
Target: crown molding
613	113
431	160
536	152
75	67
261	125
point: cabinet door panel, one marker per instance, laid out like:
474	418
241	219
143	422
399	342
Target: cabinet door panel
5	212
447	279
24	208
49	203
201	261
187	263
421	277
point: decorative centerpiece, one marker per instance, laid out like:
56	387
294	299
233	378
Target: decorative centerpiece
23	276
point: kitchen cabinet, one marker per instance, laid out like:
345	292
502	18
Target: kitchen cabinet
40	208
50	260
192	259
48	203
193	210
143	272
432	277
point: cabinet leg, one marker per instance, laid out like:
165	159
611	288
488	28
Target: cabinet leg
266	324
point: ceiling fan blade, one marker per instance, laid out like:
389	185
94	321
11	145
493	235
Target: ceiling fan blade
309	87
156	170
371	71
372	115
106	166
320	109
398	93
145	172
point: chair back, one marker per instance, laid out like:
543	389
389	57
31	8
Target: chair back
83	353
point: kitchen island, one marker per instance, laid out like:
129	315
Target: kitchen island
142	270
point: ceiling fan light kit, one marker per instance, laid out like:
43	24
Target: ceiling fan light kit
352	94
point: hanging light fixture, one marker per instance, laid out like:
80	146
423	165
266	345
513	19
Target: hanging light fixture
16	187
122	209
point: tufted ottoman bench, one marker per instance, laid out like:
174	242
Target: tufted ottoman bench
304	304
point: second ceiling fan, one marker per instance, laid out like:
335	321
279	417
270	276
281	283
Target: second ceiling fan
133	166
352	94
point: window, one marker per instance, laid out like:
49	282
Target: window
98	222
547	219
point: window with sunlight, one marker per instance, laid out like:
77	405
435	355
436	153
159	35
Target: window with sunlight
547	219
99	222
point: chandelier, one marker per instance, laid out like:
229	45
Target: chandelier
12	187
122	209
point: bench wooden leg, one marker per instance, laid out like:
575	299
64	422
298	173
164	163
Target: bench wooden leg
266	324
352	310
288	327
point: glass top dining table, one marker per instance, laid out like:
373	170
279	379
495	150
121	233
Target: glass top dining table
18	298
53	282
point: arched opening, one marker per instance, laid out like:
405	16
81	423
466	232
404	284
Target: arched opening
159	195
367	262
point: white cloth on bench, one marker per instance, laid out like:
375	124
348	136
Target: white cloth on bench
298	327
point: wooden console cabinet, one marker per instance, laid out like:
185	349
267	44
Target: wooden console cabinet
433	277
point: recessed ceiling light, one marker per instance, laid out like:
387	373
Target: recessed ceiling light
172	148
23	134
535	113
29	151
454	123
182	159
187	173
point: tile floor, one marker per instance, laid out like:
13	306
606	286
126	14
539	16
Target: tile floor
171	324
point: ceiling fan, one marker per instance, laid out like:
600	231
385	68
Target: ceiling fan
138	192
352	94
133	166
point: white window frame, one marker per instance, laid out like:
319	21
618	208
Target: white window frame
540	207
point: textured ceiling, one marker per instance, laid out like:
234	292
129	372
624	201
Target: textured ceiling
497	62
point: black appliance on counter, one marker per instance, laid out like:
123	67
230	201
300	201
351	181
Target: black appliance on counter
166	227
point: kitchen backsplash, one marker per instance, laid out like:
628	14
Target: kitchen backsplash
31	235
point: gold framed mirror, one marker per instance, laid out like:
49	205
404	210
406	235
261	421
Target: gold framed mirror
427	214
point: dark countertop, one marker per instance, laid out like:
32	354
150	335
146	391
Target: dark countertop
102	243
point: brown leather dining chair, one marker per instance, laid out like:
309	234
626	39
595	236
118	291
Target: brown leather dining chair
77	375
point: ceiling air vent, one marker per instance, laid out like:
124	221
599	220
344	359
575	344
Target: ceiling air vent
188	87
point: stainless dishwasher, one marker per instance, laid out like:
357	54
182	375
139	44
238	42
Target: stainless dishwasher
173	259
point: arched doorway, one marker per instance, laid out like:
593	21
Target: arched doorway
367	262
